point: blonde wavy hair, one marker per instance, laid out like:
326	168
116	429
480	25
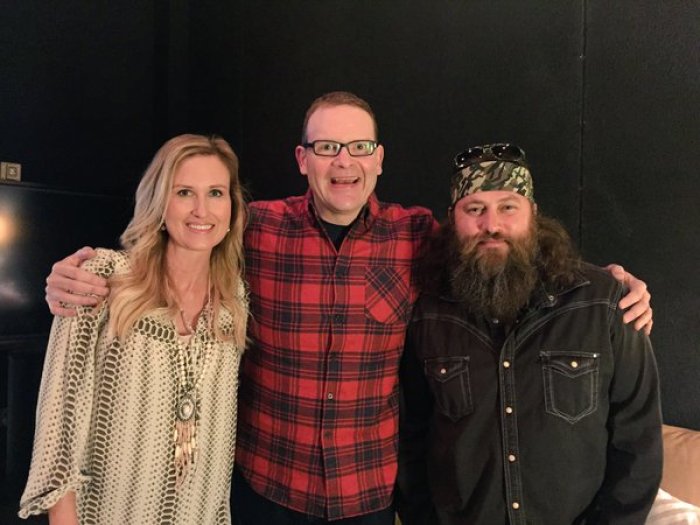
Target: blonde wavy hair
145	288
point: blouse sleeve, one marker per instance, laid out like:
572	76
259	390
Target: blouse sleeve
60	461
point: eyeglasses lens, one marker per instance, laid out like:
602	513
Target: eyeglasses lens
507	152
469	156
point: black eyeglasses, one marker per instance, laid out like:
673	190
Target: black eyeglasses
331	148
487	152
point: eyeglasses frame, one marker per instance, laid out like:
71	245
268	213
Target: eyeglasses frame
342	145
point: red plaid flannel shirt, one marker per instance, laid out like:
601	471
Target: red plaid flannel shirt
318	398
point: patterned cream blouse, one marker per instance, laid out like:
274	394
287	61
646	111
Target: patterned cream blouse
106	418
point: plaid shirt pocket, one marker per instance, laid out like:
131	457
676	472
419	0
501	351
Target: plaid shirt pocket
388	294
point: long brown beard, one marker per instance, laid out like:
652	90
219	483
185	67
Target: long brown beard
489	282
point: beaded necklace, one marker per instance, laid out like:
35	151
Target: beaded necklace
192	359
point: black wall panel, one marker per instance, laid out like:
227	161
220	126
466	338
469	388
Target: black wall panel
440	76
640	185
77	99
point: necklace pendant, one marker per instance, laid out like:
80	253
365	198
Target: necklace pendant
185	407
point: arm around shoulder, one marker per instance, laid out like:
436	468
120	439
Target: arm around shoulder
69	285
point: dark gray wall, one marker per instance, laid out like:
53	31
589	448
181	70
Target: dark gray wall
639	199
604	97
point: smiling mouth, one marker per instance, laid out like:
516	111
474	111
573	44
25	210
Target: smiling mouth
345	180
200	227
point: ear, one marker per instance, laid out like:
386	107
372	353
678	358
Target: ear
380	159
300	155
534	208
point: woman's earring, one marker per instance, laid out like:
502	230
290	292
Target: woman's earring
162	227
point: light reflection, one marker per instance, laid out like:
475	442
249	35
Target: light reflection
8	229
11	295
10	289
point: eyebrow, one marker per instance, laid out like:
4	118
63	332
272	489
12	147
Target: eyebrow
210	187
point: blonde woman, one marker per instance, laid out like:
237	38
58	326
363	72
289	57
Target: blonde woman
137	409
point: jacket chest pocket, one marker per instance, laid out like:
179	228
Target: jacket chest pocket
570	383
448	378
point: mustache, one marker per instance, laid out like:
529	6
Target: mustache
472	242
493	236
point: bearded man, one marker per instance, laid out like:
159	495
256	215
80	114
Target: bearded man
525	399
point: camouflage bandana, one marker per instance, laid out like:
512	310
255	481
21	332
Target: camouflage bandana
492	176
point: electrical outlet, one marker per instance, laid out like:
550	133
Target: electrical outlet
11	171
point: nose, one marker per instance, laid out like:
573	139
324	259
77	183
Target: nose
343	158
200	207
490	221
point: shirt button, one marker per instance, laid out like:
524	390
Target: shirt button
506	364
330	395
511	458
509	410
338	318
515	505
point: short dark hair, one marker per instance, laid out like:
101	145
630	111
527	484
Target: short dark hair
338	98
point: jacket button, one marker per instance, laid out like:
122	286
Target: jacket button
515	505
443	371
574	364
506	364
511	458
509	410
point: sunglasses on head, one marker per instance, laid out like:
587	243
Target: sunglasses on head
490	152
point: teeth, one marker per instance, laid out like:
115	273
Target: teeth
346	180
201	227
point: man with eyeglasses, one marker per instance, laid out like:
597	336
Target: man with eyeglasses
525	398
332	278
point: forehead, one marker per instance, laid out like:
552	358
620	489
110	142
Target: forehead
487	198
208	168
342	123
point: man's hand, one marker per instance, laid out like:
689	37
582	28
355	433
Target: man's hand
636	302
68	286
